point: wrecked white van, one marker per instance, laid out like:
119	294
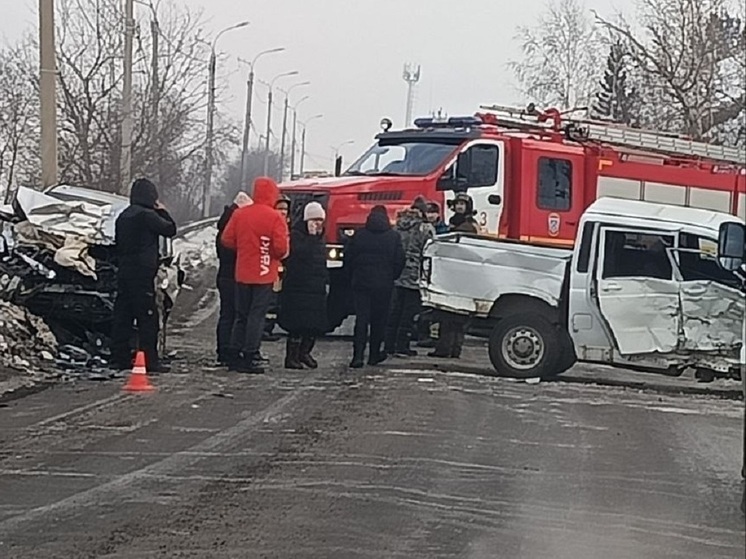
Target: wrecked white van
642	288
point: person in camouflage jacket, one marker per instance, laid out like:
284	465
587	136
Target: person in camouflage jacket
415	231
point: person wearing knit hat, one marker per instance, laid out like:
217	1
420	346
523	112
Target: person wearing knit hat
303	297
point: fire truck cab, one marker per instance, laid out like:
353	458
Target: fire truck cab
531	175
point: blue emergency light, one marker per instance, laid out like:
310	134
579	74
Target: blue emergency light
452	122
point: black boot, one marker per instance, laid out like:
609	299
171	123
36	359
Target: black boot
358	356
446	339
292	353
458	343
305	357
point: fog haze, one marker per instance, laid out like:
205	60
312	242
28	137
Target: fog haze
353	52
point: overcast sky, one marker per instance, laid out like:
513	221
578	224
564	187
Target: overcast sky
353	52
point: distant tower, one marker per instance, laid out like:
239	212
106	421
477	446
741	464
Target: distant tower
411	75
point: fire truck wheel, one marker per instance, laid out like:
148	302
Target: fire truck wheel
525	345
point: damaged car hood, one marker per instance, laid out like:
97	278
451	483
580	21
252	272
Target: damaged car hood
67	210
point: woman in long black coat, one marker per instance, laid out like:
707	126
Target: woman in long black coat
303	296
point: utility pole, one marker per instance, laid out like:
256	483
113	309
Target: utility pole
284	136
302	150
126	160
48	95
206	193
293	146
247	117
156	96
208	144
303	142
247	128
269	116
269	132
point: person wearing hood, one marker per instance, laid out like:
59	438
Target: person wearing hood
373	259
303	296
259	235
226	283
137	232
415	231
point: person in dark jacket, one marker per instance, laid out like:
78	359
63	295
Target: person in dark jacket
283	208
374	260
303	295
137	232
226	283
463	210
415	231
436	219
452	326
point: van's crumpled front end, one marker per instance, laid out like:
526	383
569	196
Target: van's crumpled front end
57	259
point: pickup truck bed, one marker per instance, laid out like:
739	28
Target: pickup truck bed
492	268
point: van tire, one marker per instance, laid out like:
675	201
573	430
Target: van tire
526	345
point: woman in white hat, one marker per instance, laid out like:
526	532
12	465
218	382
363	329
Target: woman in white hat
303	296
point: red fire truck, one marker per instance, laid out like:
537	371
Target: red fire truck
531	174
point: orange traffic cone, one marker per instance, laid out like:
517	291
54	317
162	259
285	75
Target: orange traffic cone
138	380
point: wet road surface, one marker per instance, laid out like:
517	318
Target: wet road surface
380	463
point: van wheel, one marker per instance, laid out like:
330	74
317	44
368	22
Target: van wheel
525	346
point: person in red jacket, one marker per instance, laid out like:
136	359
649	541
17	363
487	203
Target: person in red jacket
259	235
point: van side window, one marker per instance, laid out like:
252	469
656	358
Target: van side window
698	261
630	254
555	184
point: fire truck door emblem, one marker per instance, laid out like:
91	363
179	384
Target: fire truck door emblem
554	221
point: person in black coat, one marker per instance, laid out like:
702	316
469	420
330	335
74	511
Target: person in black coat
137	232
303	295
226	284
374	259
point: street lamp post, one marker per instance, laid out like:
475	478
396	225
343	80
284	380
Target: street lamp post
283	141
337	160
294	140
303	142
210	119
247	119
269	116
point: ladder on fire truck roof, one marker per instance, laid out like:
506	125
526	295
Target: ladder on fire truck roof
613	134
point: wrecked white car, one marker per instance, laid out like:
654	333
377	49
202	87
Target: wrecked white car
57	259
642	289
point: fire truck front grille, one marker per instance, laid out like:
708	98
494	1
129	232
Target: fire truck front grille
298	201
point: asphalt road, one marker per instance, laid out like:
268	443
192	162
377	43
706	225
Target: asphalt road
381	463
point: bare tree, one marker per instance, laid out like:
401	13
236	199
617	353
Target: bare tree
562	55
19	116
690	56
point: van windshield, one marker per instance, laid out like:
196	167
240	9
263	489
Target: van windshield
406	158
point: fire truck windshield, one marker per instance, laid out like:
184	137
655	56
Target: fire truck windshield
406	158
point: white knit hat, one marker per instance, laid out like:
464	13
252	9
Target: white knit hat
242	199
313	210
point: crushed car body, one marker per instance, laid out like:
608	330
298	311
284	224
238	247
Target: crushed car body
57	260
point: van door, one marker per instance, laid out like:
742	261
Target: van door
637	294
479	170
711	298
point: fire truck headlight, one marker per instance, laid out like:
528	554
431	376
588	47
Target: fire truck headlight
335	254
